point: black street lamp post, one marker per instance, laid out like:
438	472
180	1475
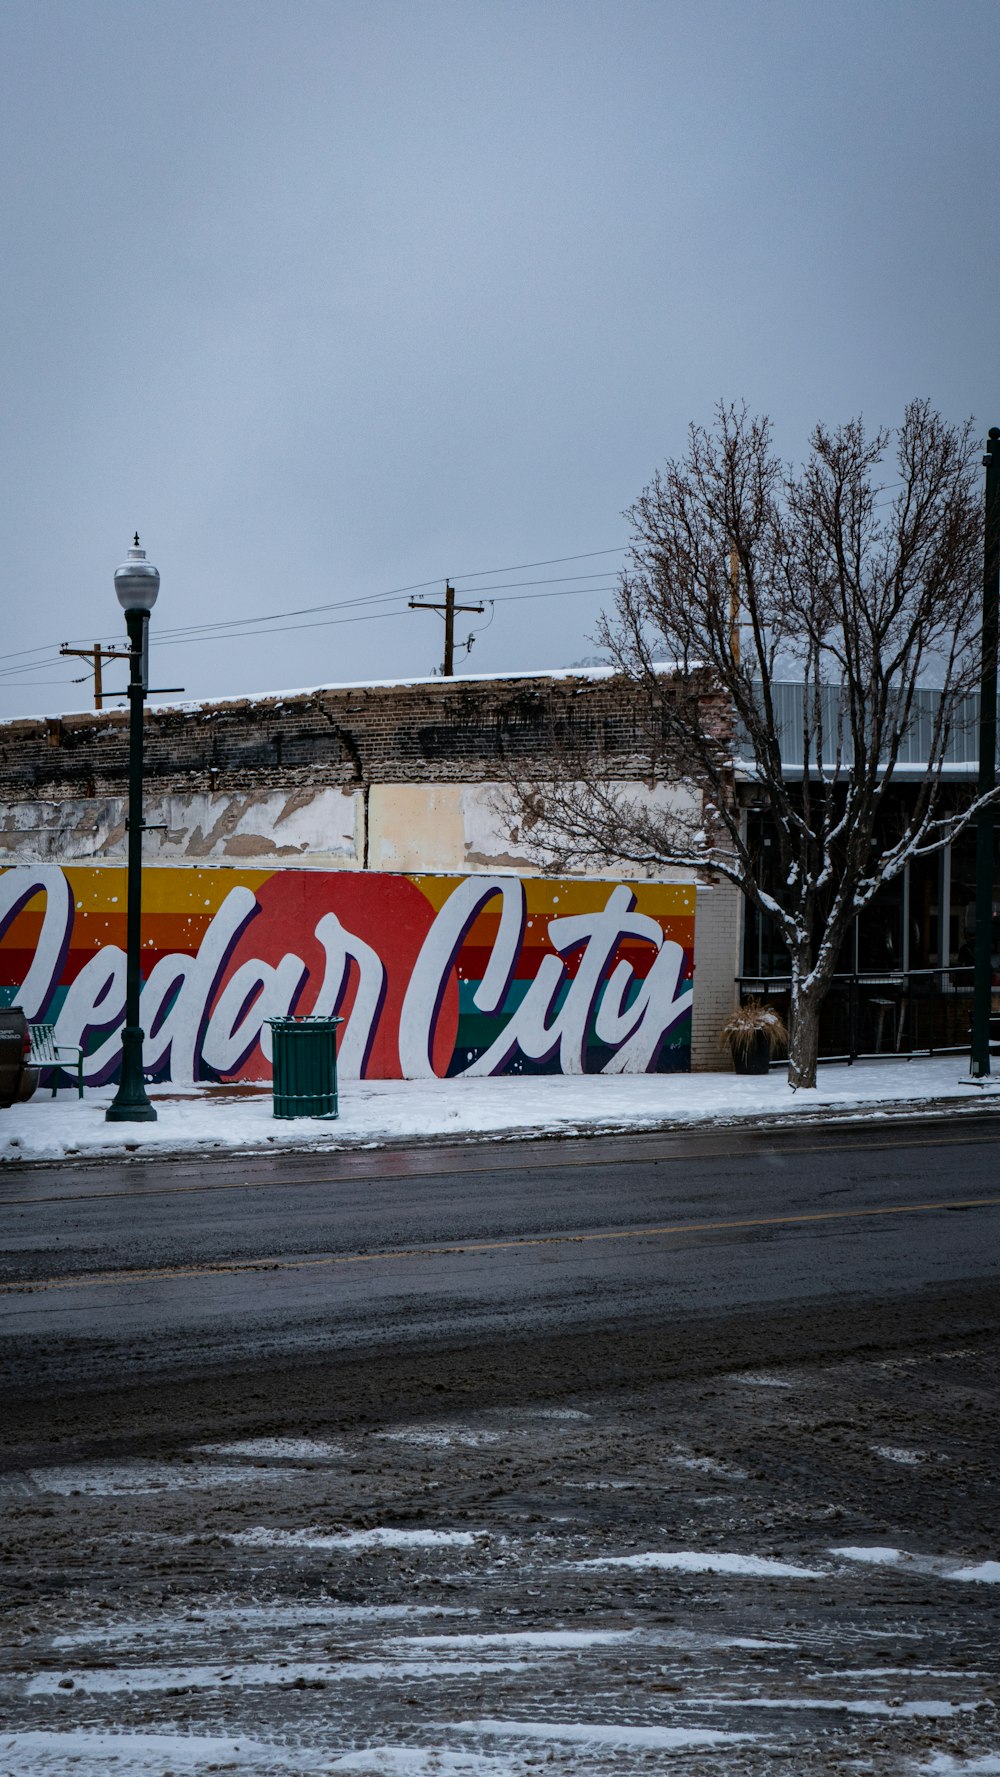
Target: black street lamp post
982	998
137	583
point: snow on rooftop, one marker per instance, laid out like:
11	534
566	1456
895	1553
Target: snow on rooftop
193	704
341	685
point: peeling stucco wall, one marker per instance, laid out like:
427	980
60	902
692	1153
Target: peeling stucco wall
317	827
467	827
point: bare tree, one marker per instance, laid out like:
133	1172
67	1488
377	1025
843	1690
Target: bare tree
860	584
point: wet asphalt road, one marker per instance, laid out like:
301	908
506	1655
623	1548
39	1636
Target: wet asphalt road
612	1456
186	1265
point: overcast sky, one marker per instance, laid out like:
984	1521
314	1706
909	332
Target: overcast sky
332	297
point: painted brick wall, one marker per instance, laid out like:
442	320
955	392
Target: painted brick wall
387	777
718	916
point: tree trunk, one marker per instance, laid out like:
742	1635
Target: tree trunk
803	1042
803	1033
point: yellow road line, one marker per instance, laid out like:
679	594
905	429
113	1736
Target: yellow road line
96	1279
540	1165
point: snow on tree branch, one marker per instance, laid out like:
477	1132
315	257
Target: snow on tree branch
854	577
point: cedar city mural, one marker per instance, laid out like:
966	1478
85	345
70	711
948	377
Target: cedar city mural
444	975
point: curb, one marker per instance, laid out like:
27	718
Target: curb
884	1112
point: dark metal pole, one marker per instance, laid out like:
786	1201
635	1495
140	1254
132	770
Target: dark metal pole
982	997
449	630
130	1104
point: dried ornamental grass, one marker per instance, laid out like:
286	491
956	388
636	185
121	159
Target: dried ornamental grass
742	1029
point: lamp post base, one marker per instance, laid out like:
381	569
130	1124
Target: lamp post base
130	1104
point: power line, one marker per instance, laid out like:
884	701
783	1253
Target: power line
516	598
29	666
373	598
30	659
213	631
10	674
519	567
223	626
19	653
327	623
371	617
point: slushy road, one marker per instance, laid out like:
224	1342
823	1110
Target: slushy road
189	1265
574	1452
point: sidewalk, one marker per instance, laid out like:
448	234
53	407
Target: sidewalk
376	1113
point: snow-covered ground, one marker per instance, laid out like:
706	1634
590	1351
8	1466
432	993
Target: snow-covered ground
376	1112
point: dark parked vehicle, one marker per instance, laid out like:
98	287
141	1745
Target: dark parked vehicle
17	1079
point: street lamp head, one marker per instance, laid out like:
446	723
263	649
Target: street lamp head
137	582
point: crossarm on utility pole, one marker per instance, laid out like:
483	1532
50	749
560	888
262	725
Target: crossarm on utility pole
96	657
449	608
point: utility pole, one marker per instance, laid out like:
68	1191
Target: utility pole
96	657
982	999
449	608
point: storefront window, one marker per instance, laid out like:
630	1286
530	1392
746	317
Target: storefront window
962	924
904	927
924	904
764	951
880	931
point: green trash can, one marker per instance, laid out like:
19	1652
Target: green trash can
304	1066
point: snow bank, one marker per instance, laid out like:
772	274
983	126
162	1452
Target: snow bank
943	1764
254	1675
376	1112
877	1557
284	1620
982	1572
354	1541
276	1450
985	1573
124	1753
936	1708
112	1481
711	1561
600	1733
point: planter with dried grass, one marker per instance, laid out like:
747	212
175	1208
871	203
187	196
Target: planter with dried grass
753	1034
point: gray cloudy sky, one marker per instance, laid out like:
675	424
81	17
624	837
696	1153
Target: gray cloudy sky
332	298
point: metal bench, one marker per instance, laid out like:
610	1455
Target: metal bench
46	1052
